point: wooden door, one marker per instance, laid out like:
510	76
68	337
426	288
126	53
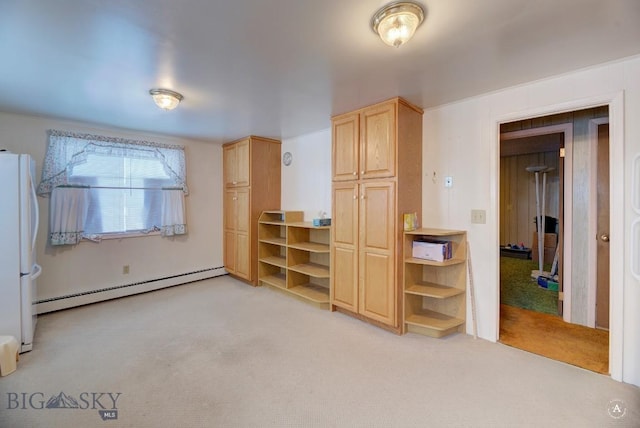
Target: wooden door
243	234
230	230
378	141
243	164
344	248
236	164
346	143
602	284
377	252
229	164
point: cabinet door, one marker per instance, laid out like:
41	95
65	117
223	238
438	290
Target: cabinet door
230	251
236	164
243	163
344	251
230	210
377	252
378	141
345	147
230	229
243	233
229	164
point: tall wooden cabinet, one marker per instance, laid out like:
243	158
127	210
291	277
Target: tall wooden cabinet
377	177
251	174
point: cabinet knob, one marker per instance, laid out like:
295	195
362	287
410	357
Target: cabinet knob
234	182
361	172
355	196
235	198
355	172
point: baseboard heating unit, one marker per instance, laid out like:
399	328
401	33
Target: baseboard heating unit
93	296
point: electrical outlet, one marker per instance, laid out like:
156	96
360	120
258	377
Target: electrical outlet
478	216
125	269
448	181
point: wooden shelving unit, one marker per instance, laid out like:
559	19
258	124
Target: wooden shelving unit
435	292
293	256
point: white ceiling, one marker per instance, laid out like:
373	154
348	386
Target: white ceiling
281	68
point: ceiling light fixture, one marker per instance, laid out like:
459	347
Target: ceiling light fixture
166	99
396	22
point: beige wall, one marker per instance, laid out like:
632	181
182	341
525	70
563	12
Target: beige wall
90	266
462	140
306	183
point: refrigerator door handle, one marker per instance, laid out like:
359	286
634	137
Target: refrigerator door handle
37	214
37	270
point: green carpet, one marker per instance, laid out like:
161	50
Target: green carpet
518	289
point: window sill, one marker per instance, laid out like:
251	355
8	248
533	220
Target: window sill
109	236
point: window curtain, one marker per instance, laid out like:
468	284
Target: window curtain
67	215
68	149
173	219
70	201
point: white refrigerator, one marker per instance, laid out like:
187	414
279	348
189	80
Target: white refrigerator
18	268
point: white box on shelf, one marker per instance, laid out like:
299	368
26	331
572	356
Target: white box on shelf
434	251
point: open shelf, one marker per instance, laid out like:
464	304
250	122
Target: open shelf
313	292
274	241
433	323
311	269
449	262
435	292
277	280
295	256
275	260
312	247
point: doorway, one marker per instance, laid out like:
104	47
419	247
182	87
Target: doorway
531	192
530	322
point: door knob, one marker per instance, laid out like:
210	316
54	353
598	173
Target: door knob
604	237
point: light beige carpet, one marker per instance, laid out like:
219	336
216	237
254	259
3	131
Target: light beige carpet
219	353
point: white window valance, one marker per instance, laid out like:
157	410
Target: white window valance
68	149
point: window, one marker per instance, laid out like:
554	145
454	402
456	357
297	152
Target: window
101	186
124	193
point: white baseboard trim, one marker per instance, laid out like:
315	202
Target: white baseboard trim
94	296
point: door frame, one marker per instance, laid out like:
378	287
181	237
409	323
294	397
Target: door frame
615	102
567	130
593	211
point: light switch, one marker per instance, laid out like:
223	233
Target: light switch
478	216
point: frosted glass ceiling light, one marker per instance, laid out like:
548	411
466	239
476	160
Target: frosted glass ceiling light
165	99
396	22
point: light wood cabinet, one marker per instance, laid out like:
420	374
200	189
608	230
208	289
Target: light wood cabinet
377	177
345	243
294	256
435	292
251	172
345	147
237	231
237	171
364	143
377	251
